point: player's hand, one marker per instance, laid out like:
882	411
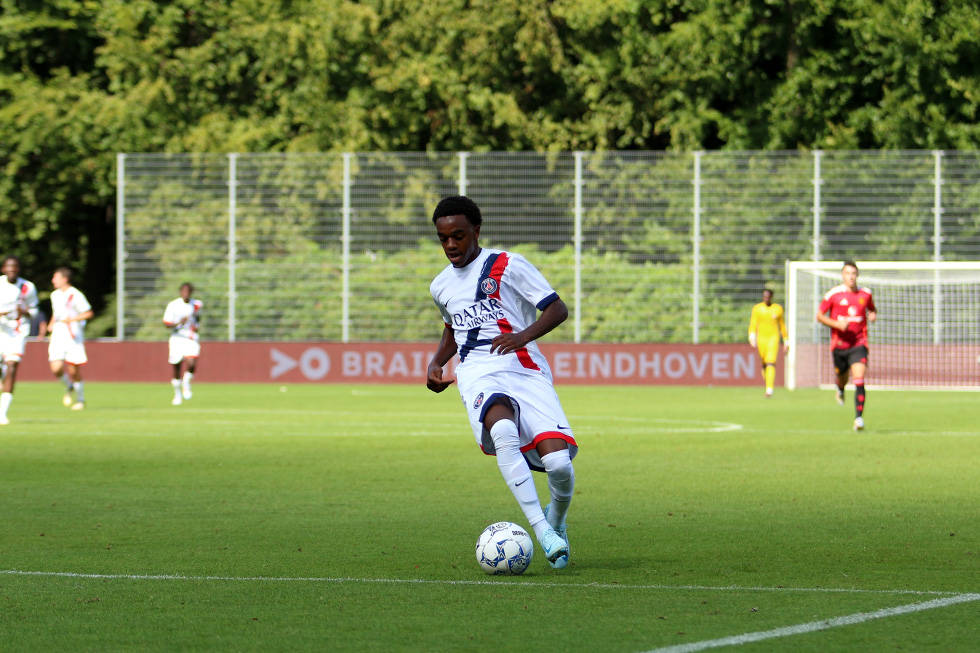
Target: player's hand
872	316
752	339
507	343
434	380
841	324
785	348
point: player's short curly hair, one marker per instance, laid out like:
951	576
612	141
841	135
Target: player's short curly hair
458	205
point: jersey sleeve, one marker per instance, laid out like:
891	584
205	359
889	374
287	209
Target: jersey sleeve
168	314
782	326
871	303
446	317
753	321
81	302
529	283
29	298
826	304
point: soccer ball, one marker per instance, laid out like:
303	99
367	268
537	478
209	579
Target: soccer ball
504	548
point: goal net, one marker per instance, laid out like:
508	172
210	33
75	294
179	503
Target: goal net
927	334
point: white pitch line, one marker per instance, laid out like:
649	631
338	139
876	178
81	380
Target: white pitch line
815	626
497	583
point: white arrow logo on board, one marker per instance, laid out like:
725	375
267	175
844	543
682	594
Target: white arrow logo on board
281	363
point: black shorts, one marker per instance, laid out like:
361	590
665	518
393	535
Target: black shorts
844	358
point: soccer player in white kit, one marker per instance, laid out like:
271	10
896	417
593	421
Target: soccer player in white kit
182	316
18	305
489	300
66	349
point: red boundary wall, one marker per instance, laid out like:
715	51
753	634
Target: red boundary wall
292	362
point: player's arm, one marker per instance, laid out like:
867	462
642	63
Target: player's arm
783	332
840	324
444	353
28	307
84	315
825	320
753	327
553	314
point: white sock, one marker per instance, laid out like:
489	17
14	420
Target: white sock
561	483
517	474
79	387
67	381
176	384
187	379
5	400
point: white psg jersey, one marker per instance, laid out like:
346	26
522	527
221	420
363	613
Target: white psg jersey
23	294
178	310
68	303
498	292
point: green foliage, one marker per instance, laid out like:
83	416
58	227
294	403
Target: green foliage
81	80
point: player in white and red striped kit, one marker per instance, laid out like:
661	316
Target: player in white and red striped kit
489	300
18	305
182	316
851	309
70	311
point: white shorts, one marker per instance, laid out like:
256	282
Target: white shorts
68	349
12	346
536	407
181	348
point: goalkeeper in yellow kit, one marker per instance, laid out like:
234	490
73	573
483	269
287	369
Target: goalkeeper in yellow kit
765	327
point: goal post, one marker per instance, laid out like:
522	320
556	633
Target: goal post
927	335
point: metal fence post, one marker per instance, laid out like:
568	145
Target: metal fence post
462	172
120	246
232	240
345	251
696	243
937	247
578	247
817	182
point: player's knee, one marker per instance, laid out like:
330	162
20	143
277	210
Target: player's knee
504	434
558	464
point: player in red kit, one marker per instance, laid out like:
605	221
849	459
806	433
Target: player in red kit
851	309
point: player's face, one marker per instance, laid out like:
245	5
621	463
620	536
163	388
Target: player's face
59	281
185	293
850	276
767	297
459	238
10	270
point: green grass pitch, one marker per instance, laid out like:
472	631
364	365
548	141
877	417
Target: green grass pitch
257	518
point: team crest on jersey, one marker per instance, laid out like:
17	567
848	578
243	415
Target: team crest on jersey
478	401
488	285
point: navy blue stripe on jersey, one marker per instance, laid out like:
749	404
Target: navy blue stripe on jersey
485	273
472	342
547	301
